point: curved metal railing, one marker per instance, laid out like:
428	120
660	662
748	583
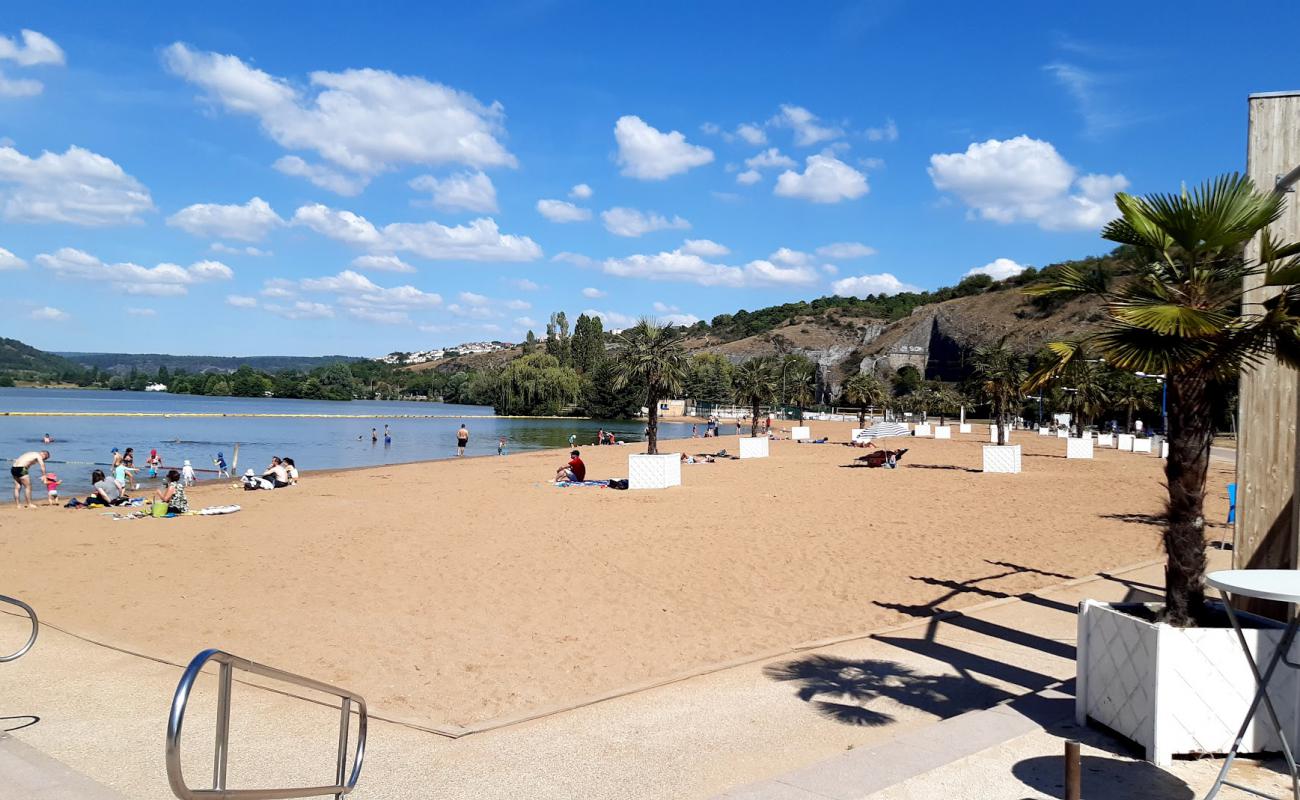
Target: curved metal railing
343	781
36	627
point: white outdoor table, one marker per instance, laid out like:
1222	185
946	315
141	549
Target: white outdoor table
1282	585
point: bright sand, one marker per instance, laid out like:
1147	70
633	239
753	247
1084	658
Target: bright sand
452	592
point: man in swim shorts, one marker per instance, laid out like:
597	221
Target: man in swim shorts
462	439
19	469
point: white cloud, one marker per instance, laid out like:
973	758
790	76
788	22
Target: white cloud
162	280
10	261
612	320
464	191
241	301
886	133
576	259
770	157
250	222
825	179
663	308
807	128
581	191
562	211
650	154
1087	89
380	263
631	222
1026	180
35	49
381	317
364	121
830	269
998	269
48	314
355	290
526	322
593	293
78	187
220	247
749	177
676	265
279	288
705	247
791	258
301	310
142	312
470	298
20	87
477	240
682	320
843	250
322	176
863	285
524	285
751	133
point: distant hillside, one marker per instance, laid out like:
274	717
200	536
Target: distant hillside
17	359
148	363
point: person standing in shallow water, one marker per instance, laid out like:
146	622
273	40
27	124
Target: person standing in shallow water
462	439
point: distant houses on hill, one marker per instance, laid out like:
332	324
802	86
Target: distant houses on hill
464	349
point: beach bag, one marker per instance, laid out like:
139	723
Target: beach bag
159	508
618	483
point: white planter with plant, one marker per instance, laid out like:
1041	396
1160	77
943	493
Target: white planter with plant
1124	442
1142	446
964	427
1044	431
922	429
943	432
1105	440
1177	681
801	433
1177	691
659	471
1078	448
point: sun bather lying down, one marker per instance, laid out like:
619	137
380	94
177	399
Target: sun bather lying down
883	458
699	458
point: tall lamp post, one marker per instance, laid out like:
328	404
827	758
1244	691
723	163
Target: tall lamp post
1163	380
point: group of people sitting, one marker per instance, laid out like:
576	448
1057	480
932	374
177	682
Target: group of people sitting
281	473
109	491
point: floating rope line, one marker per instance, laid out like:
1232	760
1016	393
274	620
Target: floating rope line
192	414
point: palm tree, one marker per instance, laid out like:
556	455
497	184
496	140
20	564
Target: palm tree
755	383
863	390
799	388
1131	394
1182	315
1083	384
652	354
999	372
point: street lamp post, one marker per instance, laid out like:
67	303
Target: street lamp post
1163	380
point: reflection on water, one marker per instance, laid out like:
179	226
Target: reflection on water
81	442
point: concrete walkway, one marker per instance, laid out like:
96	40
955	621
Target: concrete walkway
737	732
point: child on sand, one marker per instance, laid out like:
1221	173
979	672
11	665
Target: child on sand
501	446
52	488
187	473
223	471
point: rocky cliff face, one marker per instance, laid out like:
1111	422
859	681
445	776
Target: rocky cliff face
936	339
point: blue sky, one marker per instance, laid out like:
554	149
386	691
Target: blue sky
327	178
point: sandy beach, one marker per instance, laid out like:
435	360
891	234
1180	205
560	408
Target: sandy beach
453	592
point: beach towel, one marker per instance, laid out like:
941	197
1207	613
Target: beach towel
596	484
212	511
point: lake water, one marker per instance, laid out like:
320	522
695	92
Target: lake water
311	443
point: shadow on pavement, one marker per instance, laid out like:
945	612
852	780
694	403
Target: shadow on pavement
1103	778
840	689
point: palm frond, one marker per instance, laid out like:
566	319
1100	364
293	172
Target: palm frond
1169	319
1071	280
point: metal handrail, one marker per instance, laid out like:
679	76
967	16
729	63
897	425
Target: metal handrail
36	627
228	663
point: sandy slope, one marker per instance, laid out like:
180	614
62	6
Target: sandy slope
451	592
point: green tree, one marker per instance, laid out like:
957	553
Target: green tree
530	343
163	377
865	390
536	384
756	383
1131	394
1181	315
652	355
248	382
999	373
336	382
588	344
557	338
709	378
604	400
907	380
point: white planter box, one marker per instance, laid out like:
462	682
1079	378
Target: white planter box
943	432
1044	431
1105	440
1063	433
922	429
1164	449
993	434
963	427
801	433
1002	459
1125	442
1078	448
1177	690
654	472
753	447
1141	445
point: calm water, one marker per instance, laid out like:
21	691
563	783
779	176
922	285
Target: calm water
311	443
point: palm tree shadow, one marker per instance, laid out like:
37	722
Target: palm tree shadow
942	466
841	689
